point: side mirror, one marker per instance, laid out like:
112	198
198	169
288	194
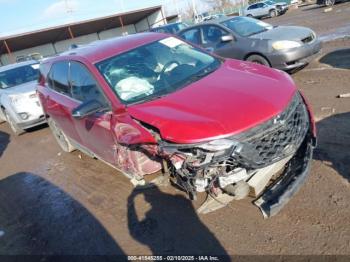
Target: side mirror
227	38
87	108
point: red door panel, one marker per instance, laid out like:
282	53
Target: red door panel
95	131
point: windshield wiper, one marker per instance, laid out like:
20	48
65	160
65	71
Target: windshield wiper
258	32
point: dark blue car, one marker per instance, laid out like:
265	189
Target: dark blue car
172	28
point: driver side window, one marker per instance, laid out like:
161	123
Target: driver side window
212	35
192	35
83	86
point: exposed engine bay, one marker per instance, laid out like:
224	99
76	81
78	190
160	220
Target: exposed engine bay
244	164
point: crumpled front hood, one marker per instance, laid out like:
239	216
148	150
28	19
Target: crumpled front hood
29	87
236	97
293	33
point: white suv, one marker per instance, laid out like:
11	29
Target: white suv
19	103
261	9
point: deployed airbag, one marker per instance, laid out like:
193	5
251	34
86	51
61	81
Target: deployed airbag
131	87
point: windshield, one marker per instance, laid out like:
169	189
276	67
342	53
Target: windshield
19	75
156	69
246	26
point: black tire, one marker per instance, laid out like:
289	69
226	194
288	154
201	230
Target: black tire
60	137
2	115
14	127
273	13
258	59
249	15
329	2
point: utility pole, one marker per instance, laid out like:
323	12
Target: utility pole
194	7
122	5
68	9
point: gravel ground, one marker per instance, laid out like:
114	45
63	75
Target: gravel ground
57	203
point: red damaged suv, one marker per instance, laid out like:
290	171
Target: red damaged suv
150	103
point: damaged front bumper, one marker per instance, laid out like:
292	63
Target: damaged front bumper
275	197
269	162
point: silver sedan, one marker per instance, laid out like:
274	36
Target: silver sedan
244	38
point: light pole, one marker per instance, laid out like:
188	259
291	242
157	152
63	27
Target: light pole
194	7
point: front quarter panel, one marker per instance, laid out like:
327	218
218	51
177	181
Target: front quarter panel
129	132
6	104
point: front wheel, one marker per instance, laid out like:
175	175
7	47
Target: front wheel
273	13
13	125
258	59
61	138
249	16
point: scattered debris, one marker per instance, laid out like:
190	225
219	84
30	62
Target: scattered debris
310	82
80	157
344	95
139	183
214	203
2	233
327	10
326	112
59	154
326	108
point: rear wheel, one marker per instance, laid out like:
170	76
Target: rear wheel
329	2
249	16
61	138
258	59
273	13
2	115
13	125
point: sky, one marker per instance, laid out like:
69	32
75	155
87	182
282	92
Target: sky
19	16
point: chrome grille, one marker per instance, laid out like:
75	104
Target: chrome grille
308	39
275	139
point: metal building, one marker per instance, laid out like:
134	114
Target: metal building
57	39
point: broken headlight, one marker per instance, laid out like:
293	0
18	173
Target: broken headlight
217	145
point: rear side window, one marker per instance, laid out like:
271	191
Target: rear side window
192	36
84	86
58	78
252	7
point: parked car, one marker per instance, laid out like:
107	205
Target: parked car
282	7
172	28
261	9
214	16
207	17
327	2
19	103
149	102
198	18
32	56
245	38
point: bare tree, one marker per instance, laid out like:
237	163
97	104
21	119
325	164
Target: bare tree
188	12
